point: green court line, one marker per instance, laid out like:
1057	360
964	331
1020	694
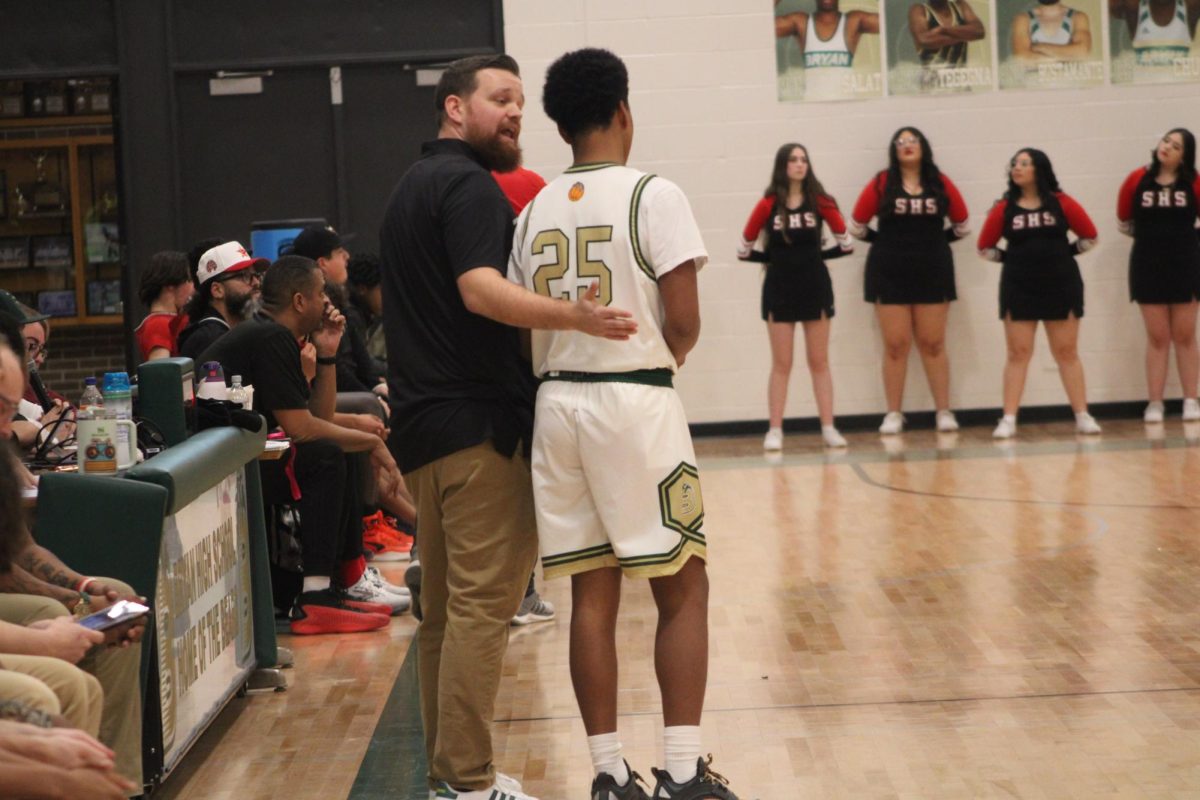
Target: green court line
395	764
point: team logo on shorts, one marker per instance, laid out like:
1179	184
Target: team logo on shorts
576	192
680	501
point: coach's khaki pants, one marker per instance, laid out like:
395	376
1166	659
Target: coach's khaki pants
478	544
53	686
117	669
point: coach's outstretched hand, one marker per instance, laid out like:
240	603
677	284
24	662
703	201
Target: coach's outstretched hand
598	320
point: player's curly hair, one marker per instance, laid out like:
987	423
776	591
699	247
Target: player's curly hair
583	90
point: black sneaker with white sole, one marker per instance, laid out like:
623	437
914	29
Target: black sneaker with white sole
706	785
605	787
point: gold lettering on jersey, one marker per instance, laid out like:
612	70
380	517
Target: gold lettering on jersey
588	268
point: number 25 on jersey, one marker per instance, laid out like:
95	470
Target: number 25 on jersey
587	269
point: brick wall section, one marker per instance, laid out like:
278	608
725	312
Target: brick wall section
76	353
702	81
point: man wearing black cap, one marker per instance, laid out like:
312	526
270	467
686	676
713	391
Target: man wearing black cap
357	371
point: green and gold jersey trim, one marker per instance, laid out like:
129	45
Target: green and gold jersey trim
634	239
646	377
591	167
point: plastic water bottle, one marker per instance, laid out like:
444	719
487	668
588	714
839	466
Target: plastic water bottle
91	399
237	393
118	398
212	384
118	402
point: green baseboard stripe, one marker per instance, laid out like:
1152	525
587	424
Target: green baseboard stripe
395	764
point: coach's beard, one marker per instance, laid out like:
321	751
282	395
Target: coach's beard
498	153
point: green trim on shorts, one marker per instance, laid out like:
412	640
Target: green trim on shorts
577	555
667	557
646	377
638	256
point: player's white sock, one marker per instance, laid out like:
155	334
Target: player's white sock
682	746
316	583
606	757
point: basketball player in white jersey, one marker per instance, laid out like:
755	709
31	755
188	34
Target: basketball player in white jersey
616	489
828	39
1161	30
1052	32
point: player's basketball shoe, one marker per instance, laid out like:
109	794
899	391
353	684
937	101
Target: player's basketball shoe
1154	412
1191	409
706	785
326	612
605	787
382	542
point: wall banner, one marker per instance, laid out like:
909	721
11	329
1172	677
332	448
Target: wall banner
827	49
939	46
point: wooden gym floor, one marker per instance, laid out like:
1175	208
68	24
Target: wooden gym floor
943	617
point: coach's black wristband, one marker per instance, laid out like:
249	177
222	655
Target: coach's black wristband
327	361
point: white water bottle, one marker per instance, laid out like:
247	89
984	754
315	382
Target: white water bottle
237	392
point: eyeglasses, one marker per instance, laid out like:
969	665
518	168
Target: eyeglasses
246	276
905	141
34	348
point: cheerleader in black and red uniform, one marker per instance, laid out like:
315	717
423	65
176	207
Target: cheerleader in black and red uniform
1157	207
910	270
1040	280
797	286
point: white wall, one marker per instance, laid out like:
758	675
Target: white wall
702	81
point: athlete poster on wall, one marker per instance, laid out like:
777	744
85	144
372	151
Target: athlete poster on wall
1050	44
939	46
828	49
1154	41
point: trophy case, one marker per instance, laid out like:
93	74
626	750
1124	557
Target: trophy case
60	237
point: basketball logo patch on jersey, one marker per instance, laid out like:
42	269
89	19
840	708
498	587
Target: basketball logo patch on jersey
575	194
680	501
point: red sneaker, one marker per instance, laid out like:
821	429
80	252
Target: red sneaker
326	612
382	542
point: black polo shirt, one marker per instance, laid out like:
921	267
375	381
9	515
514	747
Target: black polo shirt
455	379
267	357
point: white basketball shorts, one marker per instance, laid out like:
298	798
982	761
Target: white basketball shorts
614	477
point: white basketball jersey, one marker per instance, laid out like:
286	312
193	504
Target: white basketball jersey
621	229
827	63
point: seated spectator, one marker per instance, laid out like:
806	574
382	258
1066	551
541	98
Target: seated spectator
54	763
357	370
338	595
228	281
165	288
31	417
384	537
366	302
38	588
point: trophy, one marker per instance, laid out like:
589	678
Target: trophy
41	197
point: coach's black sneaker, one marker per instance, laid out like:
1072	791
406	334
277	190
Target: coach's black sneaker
604	787
707	785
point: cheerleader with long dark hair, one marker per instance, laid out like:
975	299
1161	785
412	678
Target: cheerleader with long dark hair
909	275
1157	207
1040	280
796	287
